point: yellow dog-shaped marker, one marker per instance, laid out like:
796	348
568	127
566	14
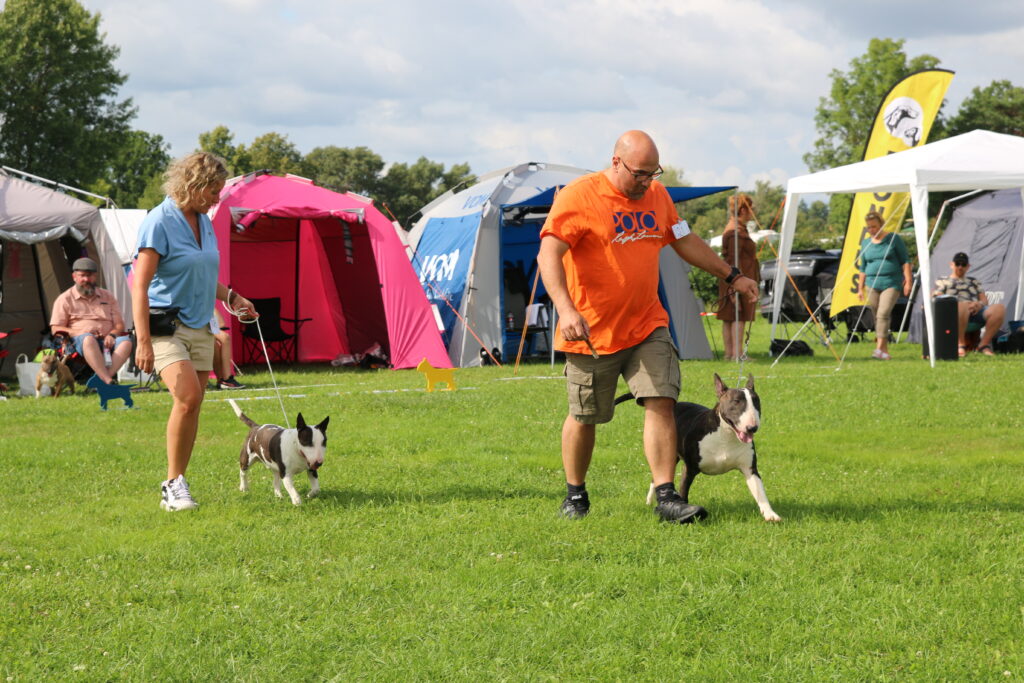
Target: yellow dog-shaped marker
435	375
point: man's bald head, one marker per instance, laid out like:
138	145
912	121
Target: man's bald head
635	143
635	152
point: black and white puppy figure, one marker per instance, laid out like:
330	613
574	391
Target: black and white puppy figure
286	452
714	441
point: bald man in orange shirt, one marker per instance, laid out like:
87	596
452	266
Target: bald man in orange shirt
599	260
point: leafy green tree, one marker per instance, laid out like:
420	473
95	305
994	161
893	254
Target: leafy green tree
273	152
153	194
346	169
844	119
142	156
405	189
220	141
59	113
998	107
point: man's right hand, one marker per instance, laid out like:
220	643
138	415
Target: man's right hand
574	326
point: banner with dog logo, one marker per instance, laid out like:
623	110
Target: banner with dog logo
903	121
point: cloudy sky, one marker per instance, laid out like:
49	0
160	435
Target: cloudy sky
728	88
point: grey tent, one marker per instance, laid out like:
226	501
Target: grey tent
990	229
41	232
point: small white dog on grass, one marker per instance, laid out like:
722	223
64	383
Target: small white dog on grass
285	452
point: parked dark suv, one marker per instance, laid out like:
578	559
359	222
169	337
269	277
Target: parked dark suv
814	271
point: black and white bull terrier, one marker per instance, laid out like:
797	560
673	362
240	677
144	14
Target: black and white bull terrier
719	440
286	452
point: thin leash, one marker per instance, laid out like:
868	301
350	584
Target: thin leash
266	355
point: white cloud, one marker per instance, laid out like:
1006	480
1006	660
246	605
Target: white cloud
727	88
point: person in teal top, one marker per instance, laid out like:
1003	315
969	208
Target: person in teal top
884	271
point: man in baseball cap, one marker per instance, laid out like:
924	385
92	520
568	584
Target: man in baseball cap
91	317
972	304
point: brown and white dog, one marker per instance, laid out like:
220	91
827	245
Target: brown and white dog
54	374
717	440
720	439
286	452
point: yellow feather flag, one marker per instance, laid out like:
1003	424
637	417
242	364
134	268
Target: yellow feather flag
903	121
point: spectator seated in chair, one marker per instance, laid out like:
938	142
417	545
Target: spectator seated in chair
973	308
91	318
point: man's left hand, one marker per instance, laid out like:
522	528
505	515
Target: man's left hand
746	286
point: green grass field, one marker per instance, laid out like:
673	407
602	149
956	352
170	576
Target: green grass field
436	552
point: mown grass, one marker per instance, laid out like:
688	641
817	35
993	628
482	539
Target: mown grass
436	551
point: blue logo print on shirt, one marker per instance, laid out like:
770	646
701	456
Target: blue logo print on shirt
635	225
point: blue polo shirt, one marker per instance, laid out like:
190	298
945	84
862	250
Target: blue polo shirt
186	275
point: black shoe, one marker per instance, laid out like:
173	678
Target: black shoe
229	383
576	506
674	509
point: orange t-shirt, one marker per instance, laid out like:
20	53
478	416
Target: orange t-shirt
611	267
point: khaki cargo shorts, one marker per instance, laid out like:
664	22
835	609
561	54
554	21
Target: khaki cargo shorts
651	369
187	344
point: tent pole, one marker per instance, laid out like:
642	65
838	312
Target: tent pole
298	250
1020	274
522	337
468	299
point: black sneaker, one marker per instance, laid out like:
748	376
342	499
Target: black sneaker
229	383
576	506
674	509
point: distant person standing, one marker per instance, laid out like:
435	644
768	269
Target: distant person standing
740	250
176	272
599	256
884	272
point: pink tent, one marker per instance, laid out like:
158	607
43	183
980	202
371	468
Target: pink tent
330	257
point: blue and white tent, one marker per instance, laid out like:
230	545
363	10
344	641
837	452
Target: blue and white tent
475	252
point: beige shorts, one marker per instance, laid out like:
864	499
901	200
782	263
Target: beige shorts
187	344
651	369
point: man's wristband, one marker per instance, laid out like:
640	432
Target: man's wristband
733	274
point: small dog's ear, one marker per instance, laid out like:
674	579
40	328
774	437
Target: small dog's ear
719	385
323	425
750	382
300	423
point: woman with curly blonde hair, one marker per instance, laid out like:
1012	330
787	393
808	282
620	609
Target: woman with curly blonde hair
174	291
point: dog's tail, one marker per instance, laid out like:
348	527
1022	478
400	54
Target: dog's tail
241	416
622	399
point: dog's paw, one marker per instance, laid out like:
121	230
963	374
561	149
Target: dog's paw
296	501
772	517
313	494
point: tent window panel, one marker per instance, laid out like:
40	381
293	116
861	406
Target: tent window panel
990	249
269	229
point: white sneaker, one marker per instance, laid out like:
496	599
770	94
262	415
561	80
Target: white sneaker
880	355
174	495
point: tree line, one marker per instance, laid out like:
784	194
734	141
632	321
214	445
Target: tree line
61	118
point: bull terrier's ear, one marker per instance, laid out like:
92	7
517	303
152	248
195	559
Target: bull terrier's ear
300	423
323	425
750	382
719	385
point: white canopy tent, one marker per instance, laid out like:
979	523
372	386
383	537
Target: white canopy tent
979	160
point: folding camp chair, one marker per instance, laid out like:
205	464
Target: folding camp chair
281	346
